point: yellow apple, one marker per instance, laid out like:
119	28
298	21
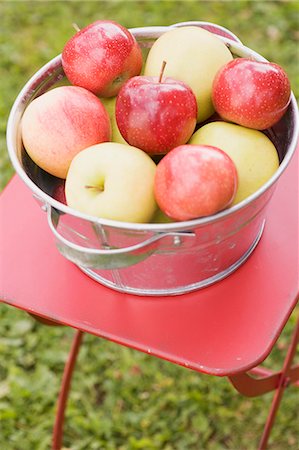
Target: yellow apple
194	56
109	104
112	181
253	153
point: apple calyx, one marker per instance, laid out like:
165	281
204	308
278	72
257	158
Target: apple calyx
162	71
119	81
96	188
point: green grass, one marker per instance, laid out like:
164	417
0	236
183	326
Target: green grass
122	399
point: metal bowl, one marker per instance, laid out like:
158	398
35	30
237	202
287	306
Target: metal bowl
153	258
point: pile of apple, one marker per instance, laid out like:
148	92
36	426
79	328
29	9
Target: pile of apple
134	147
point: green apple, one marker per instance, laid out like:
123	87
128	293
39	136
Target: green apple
253	153
192	55
109	104
112	181
161	217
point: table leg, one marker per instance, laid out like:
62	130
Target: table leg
283	383
64	391
269	381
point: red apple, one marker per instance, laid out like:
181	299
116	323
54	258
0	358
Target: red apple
194	181
101	57
251	93
156	115
60	123
59	192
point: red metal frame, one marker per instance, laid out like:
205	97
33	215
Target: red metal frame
284	380
269	380
64	391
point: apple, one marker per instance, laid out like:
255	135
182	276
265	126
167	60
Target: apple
161	217
109	104
60	123
253	153
101	57
156	115
59	192
113	181
251	93
194	56
194	181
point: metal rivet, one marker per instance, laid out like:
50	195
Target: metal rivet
177	240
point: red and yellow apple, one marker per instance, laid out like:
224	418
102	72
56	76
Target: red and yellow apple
59	192
251	93
101	57
156	114
193	181
60	123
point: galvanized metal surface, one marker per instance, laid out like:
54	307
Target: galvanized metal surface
151	259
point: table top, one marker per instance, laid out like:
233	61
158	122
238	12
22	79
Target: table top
224	329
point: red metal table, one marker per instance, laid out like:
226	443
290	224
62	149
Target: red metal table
226	329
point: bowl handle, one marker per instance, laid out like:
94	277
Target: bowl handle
111	257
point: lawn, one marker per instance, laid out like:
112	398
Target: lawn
122	399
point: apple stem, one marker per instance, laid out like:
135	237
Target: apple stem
97	188
76	26
162	71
